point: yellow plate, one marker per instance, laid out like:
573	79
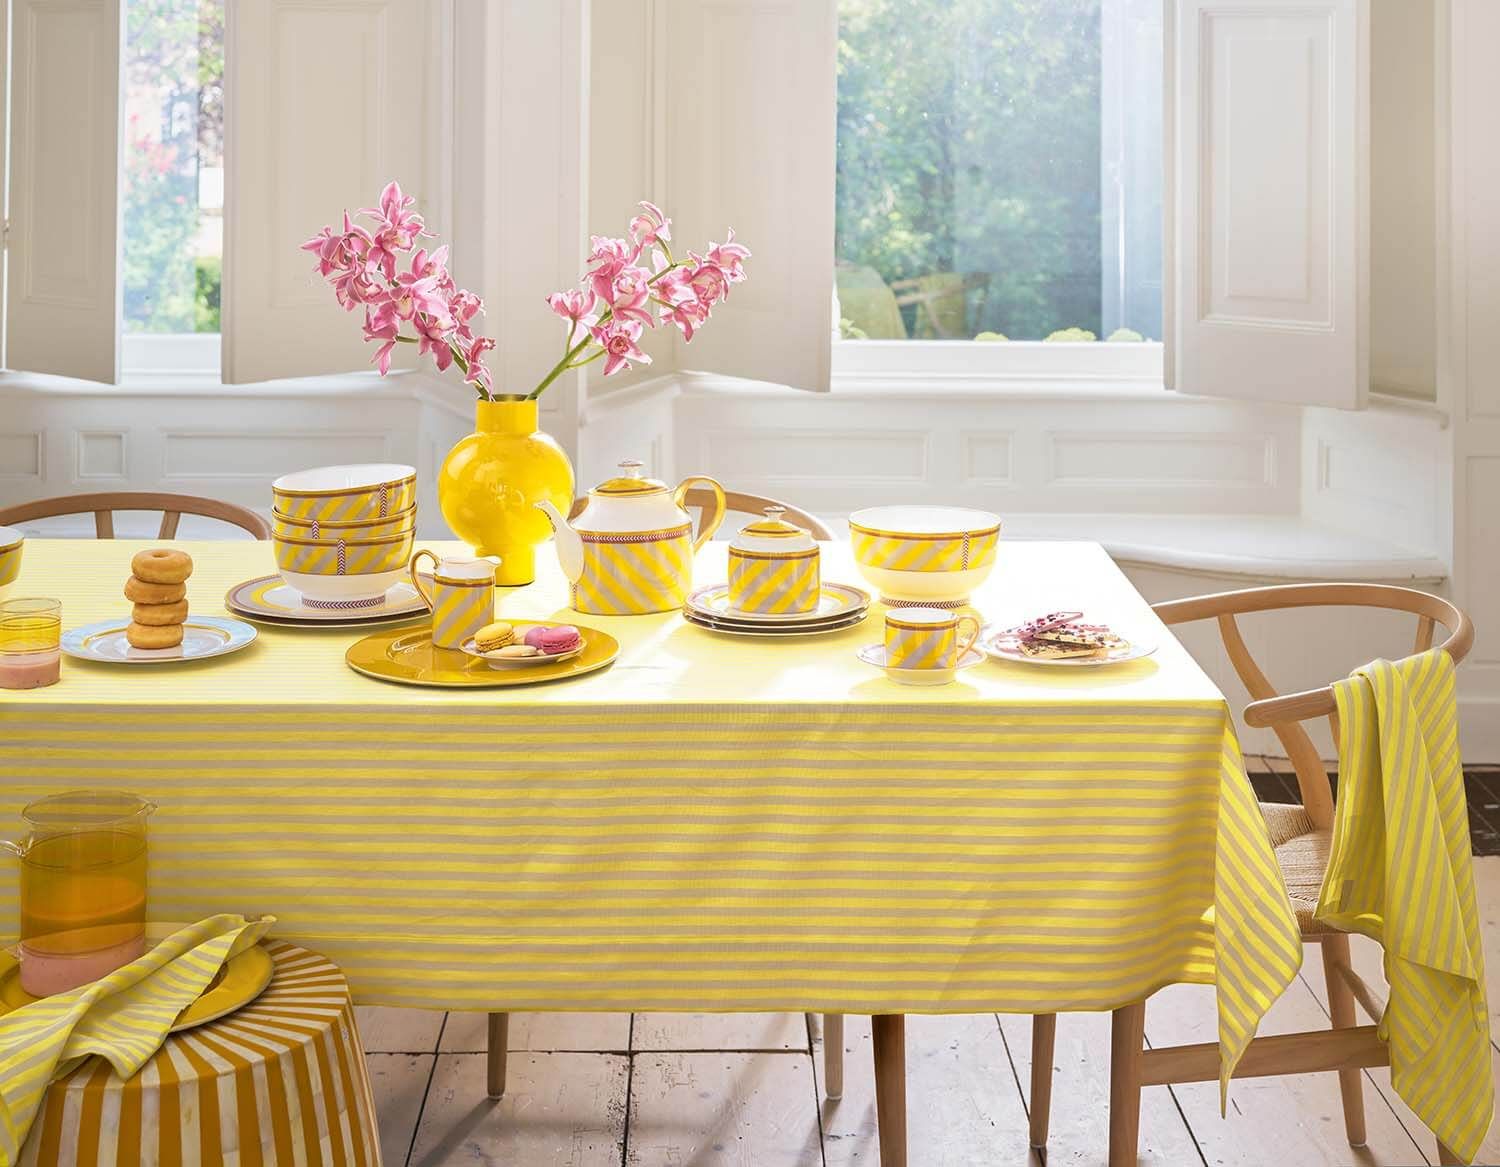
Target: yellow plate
406	656
234	986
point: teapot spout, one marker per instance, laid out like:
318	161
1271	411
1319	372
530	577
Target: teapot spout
569	543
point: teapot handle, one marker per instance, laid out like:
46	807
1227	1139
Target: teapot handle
711	519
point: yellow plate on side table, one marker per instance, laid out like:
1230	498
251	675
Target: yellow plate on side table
406	656
234	986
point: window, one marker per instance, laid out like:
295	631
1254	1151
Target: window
173	190
999	170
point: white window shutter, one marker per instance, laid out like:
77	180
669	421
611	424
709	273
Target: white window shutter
750	145
324	104
1268	200
63	293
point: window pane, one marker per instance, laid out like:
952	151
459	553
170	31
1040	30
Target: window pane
174	168
999	169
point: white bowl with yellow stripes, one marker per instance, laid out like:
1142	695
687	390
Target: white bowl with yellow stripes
11	545
401	523
924	554
376	490
343	571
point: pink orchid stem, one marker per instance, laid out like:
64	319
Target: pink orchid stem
566	363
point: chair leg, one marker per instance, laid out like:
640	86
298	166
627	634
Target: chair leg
1446	1157
1127	1034
889	1034
833	1055
498	1039
1043	1042
1341	1012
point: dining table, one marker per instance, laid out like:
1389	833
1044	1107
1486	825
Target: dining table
712	823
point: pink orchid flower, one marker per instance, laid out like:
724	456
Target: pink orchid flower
356	285
399	228
474	350
730	257
609	258
688	314
576	306
618	340
382	332
709	282
650	225
630	294
432	338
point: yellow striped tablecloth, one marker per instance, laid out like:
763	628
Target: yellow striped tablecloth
711	823
281	1081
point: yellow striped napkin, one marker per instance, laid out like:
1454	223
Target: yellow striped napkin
123	1018
1401	872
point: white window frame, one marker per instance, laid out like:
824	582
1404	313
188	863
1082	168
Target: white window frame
180	356
996	366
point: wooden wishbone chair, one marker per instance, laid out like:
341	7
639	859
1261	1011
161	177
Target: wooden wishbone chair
1301	835
172	506
735	502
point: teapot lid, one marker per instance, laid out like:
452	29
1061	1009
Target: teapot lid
631	483
773	526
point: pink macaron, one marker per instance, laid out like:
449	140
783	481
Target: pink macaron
553	639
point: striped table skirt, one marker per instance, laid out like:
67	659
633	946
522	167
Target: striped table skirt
281	1081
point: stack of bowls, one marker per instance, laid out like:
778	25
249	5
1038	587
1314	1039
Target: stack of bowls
343	534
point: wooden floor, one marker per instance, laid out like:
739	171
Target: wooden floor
692	1090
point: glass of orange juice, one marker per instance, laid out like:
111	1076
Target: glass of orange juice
83	888
30	643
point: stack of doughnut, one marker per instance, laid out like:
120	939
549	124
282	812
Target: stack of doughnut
157	588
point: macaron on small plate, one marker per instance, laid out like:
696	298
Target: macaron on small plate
202	637
498	660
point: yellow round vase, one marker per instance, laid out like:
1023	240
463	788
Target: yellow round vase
490	481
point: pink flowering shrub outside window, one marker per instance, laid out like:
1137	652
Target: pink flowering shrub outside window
633	283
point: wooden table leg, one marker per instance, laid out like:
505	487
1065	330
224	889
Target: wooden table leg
833	1055
889	1033
1043	1042
498	1040
1126	1039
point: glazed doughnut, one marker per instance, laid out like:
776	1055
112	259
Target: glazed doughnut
138	591
160	615
162	566
154	635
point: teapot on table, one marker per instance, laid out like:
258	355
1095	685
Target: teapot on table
631	549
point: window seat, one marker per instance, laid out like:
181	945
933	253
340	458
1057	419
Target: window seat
1255	547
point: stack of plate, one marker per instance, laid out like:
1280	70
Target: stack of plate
839	606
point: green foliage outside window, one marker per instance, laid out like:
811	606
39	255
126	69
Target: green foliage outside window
968	166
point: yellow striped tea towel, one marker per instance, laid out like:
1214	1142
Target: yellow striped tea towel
123	1018
1401	872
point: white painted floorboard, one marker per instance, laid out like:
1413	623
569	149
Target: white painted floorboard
704	1090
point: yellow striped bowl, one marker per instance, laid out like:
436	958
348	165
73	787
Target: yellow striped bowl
924	554
343	572
402	523
11	544
346	493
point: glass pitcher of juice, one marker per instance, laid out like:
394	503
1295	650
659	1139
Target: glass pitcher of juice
83	887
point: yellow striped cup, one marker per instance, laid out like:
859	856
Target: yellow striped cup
346	493
926	638
773	582
462	598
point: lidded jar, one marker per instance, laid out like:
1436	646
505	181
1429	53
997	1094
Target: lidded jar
774	567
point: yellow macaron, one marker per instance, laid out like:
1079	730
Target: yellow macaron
493	636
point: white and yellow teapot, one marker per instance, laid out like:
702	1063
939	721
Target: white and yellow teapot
631	549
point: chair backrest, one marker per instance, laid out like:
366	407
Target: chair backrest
1284	714
172	506
741	504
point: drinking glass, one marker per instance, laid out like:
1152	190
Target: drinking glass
30	642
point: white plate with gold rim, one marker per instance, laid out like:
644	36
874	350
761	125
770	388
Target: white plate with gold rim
510	662
1000	646
202	637
771	633
269	599
834	600
874	654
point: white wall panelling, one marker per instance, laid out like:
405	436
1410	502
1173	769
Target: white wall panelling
64	208
305	139
1269	200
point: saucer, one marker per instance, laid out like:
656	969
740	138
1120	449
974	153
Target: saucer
997	646
202	637
874	654
269	599
834	601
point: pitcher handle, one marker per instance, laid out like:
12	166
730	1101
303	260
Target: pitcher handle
411	570
710	522
14	848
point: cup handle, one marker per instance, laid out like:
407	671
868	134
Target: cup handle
973	636
411	570
711	519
